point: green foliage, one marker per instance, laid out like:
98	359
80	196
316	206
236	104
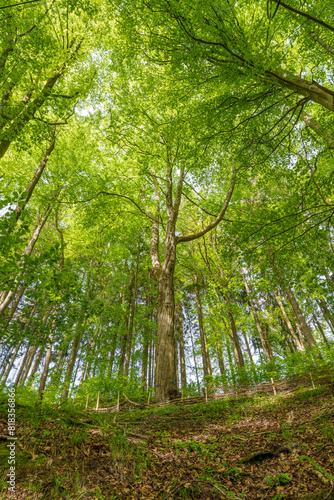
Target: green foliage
280	479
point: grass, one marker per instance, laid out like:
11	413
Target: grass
66	453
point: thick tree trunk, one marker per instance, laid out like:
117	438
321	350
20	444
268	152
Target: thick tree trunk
165	348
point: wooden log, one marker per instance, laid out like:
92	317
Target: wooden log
98	401
274	388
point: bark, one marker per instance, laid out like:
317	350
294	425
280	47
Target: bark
195	362
322	132
19	373
46	368
5	359
234	337
181	342
36	364
247	347
14	305
264	344
327	315
144	366
28	365
74	350
30	107
27	252
165	357
112	352
150	366
32	184
220	358
132	315
126	326
204	347
300	318
300	345
11	362
311	90
317	323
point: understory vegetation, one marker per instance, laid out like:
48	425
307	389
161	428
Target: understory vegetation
166	234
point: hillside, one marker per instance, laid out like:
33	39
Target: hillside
278	447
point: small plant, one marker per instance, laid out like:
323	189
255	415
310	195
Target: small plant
280	479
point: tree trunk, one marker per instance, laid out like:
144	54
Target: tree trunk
247	347
36	364
327	315
132	315
28	252
257	321
18	376
220	358
300	318
165	348
11	362
28	365
32	184
300	345
235	339
181	342
46	368
204	348
74	350
126	326
317	323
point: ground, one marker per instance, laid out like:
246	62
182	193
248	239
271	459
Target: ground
268	447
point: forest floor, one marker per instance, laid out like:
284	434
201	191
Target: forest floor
269	447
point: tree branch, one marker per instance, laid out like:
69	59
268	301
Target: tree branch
194	236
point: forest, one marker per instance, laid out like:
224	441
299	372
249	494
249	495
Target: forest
166	251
